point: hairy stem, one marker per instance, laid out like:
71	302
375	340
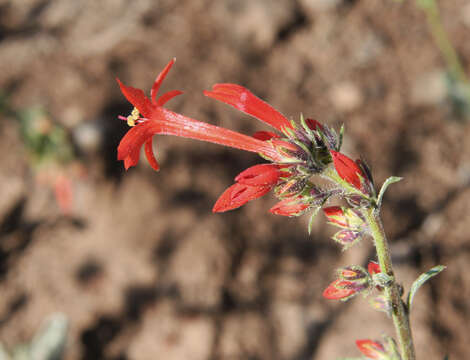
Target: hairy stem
392	291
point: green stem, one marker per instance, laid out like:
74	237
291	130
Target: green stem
392	292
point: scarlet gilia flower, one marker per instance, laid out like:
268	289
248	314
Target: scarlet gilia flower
295	152
372	349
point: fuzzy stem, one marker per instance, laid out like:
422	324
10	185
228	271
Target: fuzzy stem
392	291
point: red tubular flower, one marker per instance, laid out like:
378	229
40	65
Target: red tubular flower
158	120
371	349
244	100
347	169
339	289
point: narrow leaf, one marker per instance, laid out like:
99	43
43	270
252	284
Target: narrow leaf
312	217
389	181
420	281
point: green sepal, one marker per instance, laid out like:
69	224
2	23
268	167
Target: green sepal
420	281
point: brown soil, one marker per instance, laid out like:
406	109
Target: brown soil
142	268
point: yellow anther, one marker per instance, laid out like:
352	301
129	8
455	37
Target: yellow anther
130	121
133	117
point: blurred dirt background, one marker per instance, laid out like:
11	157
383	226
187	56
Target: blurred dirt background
141	267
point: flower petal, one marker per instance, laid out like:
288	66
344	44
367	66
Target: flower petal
131	143
162	100
159	80
238	195
137	98
259	175
150	155
244	100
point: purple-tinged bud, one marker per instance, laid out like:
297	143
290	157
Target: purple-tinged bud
353	272
347	238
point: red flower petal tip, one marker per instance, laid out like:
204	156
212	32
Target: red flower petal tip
244	100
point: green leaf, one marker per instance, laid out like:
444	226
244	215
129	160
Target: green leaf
312	217
420	281
386	184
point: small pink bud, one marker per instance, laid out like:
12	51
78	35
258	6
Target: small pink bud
352	273
346	237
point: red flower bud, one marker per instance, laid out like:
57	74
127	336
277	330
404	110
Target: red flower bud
352	273
371	349
347	169
314	124
339	289
238	195
335	215
290	207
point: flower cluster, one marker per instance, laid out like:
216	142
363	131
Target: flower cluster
295	151
351	281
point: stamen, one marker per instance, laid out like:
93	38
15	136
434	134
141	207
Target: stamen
133	117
